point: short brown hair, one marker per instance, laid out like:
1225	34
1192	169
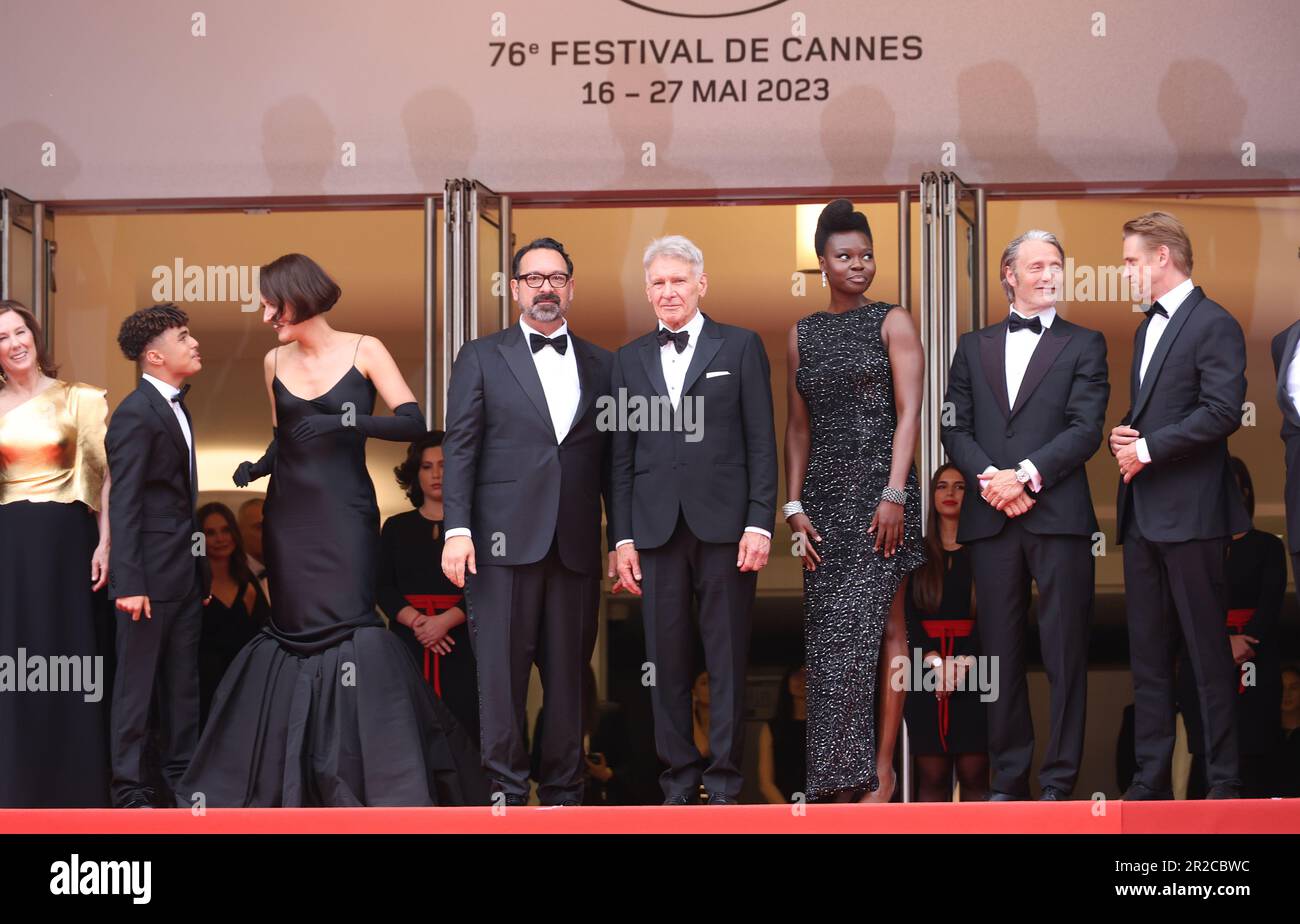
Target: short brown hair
298	280
43	361
1159	228
141	327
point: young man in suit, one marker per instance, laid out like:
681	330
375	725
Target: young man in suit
1178	503
1028	396
694	506
156	575
524	469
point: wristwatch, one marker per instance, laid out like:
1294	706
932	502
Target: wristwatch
1022	475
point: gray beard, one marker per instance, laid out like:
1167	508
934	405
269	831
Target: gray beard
544	312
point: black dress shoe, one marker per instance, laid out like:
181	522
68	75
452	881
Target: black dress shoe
1224	791
1002	797
683	798
509	799
139	802
1139	793
1052	794
721	798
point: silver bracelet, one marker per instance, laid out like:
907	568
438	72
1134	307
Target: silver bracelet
895	495
791	508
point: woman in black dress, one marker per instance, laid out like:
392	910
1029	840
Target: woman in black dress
946	730
235	611
324	707
424	608
782	754
854	394
1256	578
54	561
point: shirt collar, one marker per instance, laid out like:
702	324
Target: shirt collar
1172	299
1047	315
167	391
529	329
692	327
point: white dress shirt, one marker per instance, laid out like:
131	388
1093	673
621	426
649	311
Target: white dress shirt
675	365
1170	301
1293	381
1020	349
168	392
560	384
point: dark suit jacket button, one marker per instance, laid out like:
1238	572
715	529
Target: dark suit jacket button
1011	433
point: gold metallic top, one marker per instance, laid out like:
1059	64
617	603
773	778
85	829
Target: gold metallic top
52	446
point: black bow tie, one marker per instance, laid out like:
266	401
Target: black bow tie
1018	323
1157	308
559	341
679	339
179	397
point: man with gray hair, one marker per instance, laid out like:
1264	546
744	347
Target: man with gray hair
693	510
1027	398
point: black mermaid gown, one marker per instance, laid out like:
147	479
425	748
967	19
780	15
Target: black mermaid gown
324	707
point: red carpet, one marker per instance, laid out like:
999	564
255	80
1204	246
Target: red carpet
1247	816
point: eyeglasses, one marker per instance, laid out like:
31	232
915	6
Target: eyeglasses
534	280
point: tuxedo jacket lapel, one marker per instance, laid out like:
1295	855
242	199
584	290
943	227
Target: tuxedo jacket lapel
1050	344
653	366
993	359
519	357
707	348
1167	338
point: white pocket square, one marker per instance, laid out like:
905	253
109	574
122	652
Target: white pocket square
710	375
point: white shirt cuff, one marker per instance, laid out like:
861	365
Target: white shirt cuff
1144	454
458	531
759	530
986	476
621	543
1035	479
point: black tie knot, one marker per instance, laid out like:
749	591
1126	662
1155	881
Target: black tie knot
1157	308
179	397
560	342
678	338
1018	323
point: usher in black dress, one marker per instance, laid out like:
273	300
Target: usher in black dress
324	706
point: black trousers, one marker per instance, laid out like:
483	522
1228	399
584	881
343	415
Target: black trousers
155	657
682	568
519	615
1063	568
1172	588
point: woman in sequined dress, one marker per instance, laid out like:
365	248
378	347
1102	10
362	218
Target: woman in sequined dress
855	388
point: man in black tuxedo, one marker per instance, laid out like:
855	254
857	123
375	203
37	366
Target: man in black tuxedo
1028	398
525	466
1178	503
694	504
157	575
1287	369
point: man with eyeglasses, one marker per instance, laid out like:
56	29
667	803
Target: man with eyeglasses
525	467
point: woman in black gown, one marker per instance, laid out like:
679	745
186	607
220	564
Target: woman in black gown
53	567
946	730
235	611
854	395
325	707
424	608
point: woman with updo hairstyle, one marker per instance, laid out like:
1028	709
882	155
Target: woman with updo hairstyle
424	608
54	545
856	375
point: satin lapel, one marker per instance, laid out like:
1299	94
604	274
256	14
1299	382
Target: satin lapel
705	350
993	358
586	380
162	407
1050	344
1288	354
514	349
1172	329
653	366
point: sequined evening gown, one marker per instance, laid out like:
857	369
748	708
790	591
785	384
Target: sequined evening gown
845	379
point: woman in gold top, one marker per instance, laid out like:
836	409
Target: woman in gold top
54	689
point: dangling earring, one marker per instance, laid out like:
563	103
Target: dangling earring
823	279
